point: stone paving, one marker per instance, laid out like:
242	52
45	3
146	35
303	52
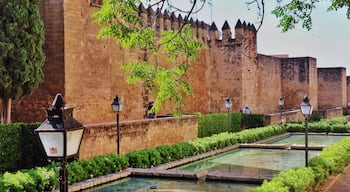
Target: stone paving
339	183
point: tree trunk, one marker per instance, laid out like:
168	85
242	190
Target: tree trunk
5	110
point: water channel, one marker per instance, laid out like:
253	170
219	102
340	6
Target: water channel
244	161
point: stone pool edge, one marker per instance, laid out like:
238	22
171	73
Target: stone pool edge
129	171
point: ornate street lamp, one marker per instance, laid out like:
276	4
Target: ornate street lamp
228	105
117	106
60	135
281	103
306	110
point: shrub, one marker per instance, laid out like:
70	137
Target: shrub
295	127
139	159
210	124
164	153
298	179
253	120
154	157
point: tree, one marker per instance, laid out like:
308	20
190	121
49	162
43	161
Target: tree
121	21
292	12
21	53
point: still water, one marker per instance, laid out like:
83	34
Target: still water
240	161
171	185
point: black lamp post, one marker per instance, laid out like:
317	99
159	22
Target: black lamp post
281	103
60	135
306	110
228	105
117	107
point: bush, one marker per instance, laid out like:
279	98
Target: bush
253	120
20	147
139	159
295	127
211	124
331	160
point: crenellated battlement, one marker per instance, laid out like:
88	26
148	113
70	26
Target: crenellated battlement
87	70
204	32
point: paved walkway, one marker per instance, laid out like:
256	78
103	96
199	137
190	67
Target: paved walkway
340	183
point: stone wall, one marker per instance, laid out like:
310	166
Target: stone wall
100	139
269	78
287	116
330	112
299	77
332	88
87	71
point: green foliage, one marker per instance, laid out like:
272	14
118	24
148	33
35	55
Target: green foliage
297	180
337	120
21	53
336	125
121	21
332	160
337	4
139	159
19	181
44	178
20	147
290	13
294	12
253	120
165	154
210	124
315	117
10	145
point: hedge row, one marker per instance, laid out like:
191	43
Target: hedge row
332	160
335	125
210	124
34	179
20	148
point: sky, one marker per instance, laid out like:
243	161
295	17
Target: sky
328	41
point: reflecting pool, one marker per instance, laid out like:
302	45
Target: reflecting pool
243	161
312	139
249	161
159	184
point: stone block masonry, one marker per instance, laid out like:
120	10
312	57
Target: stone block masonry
86	70
101	139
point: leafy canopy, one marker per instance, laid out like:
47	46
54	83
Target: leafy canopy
120	20
292	12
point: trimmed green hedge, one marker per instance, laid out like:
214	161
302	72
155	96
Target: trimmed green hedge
20	147
335	125
210	124
32	180
331	160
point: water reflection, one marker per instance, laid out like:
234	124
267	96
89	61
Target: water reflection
312	139
252	161
157	184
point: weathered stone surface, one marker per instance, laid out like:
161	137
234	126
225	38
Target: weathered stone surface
87	70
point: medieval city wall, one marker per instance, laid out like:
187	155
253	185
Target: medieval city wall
87	70
269	84
299	77
332	89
